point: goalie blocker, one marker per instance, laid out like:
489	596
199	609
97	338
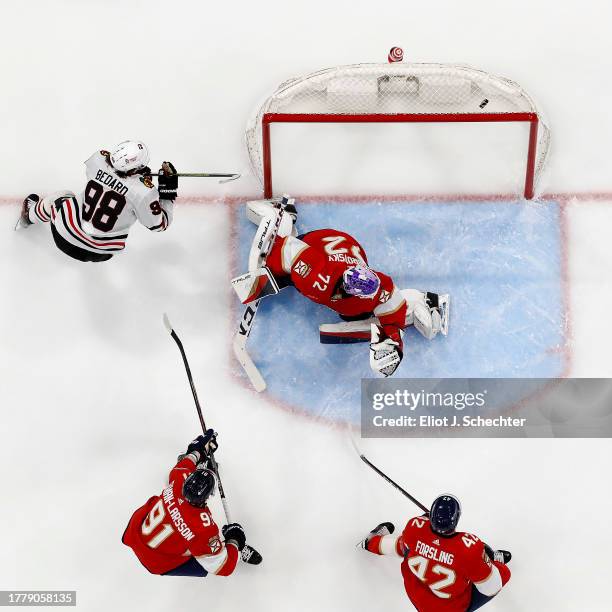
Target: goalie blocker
255	285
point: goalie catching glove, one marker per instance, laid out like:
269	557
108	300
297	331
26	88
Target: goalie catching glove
385	355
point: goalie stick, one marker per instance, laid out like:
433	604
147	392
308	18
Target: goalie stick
389	480
248	316
248	553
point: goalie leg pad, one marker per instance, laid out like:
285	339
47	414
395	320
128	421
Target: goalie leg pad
257	210
427	321
265	234
429	316
346	332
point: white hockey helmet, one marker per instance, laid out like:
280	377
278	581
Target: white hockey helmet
129	155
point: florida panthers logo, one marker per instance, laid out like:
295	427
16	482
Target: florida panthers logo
215	544
301	268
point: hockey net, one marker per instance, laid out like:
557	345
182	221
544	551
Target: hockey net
402	93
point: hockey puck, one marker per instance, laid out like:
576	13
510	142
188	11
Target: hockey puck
484	103
395	55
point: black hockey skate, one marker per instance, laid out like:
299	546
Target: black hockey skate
501	556
24	218
383	529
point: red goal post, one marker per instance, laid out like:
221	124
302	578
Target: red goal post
398	93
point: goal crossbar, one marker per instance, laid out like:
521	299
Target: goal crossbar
527	117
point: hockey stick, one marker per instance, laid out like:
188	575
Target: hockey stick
389	480
226	177
248	317
247	552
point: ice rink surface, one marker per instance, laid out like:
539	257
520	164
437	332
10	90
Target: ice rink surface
95	402
499	261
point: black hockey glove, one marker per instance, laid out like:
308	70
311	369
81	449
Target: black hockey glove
205	445
167	182
234	532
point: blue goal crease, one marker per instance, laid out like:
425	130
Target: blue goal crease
500	262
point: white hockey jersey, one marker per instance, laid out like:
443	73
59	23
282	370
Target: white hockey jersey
109	205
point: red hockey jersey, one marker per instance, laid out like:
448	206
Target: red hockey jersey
316	262
439	571
167	530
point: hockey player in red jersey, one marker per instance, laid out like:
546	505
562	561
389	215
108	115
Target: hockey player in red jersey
174	533
444	570
119	191
331	268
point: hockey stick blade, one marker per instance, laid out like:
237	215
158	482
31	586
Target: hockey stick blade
244	359
250	555
232	177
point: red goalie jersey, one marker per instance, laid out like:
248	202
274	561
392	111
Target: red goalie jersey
439	571
316	262
167	531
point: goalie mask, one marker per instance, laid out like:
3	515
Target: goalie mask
199	486
129	155
360	281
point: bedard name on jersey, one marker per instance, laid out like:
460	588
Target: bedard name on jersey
119	191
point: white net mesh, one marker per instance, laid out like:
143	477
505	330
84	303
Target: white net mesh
393	89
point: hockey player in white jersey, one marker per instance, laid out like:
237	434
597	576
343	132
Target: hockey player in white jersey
119	191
